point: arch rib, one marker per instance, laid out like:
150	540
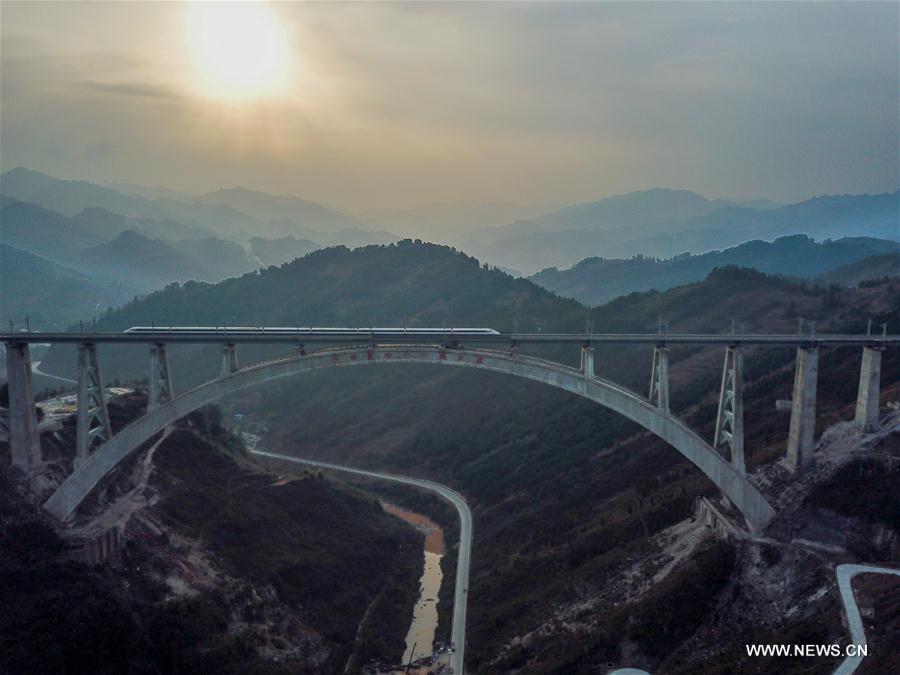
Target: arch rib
736	487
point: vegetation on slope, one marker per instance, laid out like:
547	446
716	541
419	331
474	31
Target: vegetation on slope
404	284
865	271
561	489
328	552
47	295
407	283
594	281
65	617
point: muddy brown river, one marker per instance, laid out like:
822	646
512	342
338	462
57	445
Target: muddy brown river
425	616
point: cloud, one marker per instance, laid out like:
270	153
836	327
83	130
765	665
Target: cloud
135	89
396	104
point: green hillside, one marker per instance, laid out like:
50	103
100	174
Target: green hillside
412	284
597	280
561	489
404	284
867	269
48	295
304	561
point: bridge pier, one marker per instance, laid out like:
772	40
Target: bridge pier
867	400
93	426
229	360
587	361
24	436
730	418
802	434
160	377
659	379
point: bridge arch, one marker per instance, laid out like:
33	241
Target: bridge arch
755	509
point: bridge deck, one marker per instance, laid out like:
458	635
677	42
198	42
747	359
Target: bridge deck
432	336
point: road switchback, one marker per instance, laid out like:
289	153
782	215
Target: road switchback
458	628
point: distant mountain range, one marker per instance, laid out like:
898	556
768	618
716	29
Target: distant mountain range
149	264
111	248
49	295
141	239
867	269
450	223
595	281
663	222
292	212
235	213
48	233
282	250
634	209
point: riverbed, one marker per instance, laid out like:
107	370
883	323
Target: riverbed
420	637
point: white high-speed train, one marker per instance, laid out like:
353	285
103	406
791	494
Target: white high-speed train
305	330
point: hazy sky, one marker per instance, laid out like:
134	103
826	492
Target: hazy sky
374	105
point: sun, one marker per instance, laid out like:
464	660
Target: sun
239	49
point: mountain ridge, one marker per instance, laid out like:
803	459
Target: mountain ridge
597	280
874	215
213	211
63	296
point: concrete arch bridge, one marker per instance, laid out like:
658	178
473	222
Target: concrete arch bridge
98	451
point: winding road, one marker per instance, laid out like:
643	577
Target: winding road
458	628
845	574
36	369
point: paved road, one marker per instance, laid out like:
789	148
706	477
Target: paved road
845	574
458	629
36	369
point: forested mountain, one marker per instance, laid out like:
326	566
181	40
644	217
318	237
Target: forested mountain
293	212
134	252
867	269
399	284
149	264
48	233
594	281
560	488
569	493
202	584
48	295
634	209
70	196
235	213
562	240
112	248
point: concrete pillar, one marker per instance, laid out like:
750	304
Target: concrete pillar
24	437
730	418
229	360
93	426
160	377
659	379
867	400
4	424
802	434
587	361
